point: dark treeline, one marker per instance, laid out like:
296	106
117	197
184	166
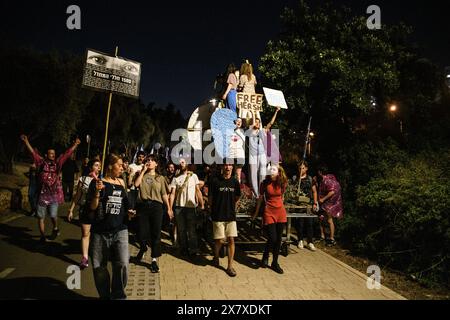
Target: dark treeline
42	97
393	166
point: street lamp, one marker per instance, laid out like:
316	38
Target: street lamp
447	76
393	109
311	136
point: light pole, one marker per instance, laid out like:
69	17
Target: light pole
311	136
88	140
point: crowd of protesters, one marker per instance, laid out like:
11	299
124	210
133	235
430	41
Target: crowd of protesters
152	194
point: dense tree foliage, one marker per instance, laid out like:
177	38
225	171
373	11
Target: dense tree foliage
42	96
391	165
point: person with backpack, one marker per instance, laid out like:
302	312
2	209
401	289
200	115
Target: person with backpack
275	216
51	192
84	214
306	192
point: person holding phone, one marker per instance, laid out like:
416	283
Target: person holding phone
107	198
153	193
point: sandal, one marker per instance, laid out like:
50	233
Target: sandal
231	272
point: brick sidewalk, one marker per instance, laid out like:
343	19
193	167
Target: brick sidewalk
308	275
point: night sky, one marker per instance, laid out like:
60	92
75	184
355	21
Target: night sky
183	45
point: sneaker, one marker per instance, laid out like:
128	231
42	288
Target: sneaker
231	272
331	242
154	267
141	254
300	244
276	267
311	246
319	240
84	263
55	234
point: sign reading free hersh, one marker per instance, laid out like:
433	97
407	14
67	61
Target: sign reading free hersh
112	74
249	101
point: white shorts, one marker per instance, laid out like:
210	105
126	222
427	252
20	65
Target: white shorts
223	230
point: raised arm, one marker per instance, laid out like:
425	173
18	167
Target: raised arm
138	180
63	158
272	121
24	138
36	157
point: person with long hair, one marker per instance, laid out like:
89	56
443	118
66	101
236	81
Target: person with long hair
257	159
84	216
237	148
306	188
231	90
330	200
153	193
107	198
275	216
247	83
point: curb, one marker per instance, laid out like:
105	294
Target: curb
359	274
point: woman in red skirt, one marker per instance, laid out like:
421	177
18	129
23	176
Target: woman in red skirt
272	190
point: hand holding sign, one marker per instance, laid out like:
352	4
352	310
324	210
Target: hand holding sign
249	101
275	98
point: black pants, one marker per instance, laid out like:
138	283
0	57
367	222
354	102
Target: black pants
299	226
274	236
68	190
150	215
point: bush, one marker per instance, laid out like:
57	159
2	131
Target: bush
402	218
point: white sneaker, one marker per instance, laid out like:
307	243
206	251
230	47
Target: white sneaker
300	244
311	246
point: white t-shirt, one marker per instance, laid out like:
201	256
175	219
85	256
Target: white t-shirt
237	143
187	197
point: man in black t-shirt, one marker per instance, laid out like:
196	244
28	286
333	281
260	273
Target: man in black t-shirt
223	194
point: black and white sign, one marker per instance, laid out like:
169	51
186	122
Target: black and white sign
112	74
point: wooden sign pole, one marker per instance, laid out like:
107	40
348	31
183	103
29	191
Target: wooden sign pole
107	126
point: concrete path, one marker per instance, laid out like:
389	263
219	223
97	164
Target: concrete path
32	271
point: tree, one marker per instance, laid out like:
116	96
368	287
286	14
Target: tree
330	65
41	96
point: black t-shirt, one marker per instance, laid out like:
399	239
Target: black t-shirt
112	209
224	193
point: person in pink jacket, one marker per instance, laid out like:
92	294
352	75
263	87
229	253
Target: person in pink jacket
51	193
330	201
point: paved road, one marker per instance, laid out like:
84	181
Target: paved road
29	270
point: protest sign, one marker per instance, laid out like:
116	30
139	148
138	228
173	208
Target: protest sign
112	74
275	98
249	101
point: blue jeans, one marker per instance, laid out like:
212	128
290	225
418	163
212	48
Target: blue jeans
103	247
231	102
186	219
51	209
